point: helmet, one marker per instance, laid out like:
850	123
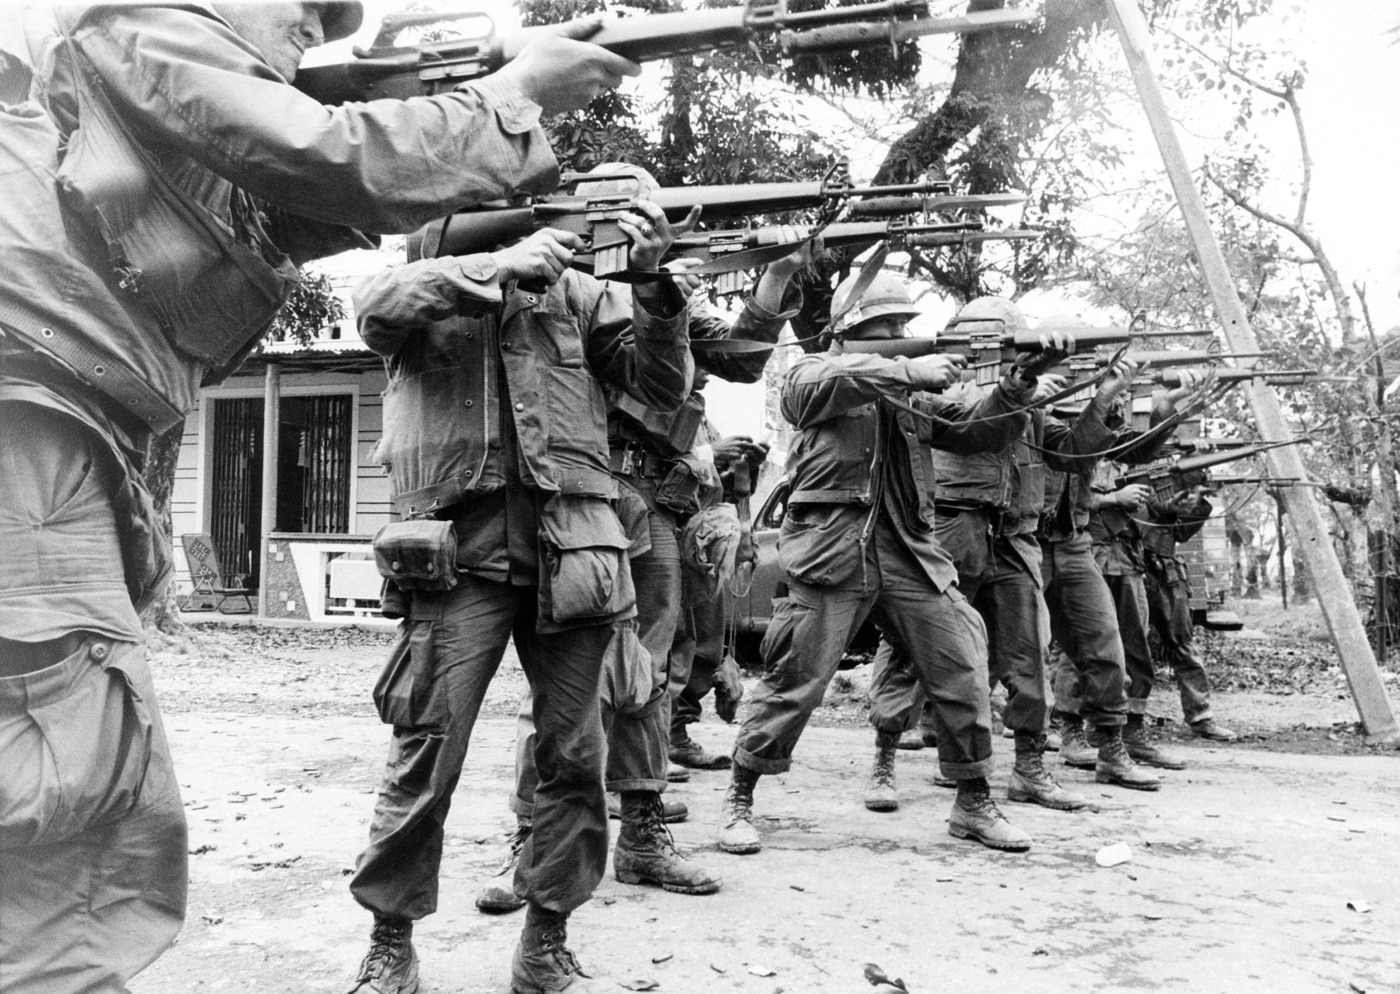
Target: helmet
648	182
886	295
341	18
990	310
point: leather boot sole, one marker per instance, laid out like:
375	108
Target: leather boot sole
1153	759
959	832
634	877
1031	797
1102	777
747	848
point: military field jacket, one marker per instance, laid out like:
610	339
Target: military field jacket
1013	480
1069	493
132	166
450	335
857	454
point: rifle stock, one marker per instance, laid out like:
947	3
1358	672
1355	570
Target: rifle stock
400	72
594	203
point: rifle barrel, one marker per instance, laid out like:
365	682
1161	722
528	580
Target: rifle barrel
849	36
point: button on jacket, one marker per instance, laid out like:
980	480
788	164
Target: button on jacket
856	453
445	327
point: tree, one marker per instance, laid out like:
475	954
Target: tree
312	306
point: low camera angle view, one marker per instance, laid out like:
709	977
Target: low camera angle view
735	496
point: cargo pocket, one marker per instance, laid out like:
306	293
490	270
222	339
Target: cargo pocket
585	574
406	693
99	736
819	544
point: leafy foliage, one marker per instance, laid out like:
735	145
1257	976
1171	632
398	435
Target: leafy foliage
312	306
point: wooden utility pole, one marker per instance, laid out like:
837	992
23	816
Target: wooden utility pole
272	423
1311	540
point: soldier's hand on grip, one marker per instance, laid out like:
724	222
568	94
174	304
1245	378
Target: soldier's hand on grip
936	372
543	255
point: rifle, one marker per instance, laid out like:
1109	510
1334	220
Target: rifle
388	69
1192	446
1338	494
1167	477
1103	355
591	205
726	254
987	350
1171	379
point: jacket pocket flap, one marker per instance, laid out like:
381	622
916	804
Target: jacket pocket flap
582	523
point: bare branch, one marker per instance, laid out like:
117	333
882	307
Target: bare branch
1224	66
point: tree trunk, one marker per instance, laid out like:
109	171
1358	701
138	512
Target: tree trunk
161	460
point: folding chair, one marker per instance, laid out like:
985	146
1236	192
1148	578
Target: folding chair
209	587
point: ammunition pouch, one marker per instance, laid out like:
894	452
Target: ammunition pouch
417	555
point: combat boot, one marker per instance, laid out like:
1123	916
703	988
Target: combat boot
542	963
685	751
737	833
671	811
646	854
1138	741
1206	728
1115	766
498	899
1075	749
1032	783
976	816
391	967
880	793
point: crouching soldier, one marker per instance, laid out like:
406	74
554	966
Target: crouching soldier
858	539
495	437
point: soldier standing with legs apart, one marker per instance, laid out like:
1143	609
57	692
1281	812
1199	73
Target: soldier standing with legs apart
652	459
986	512
142	150
858	539
495	440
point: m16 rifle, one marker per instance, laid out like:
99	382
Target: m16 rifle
1171	378
1170	477
727	254
1338	494
986	351
388	69
589	206
1092	361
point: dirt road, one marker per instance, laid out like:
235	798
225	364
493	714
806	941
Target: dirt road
1252	871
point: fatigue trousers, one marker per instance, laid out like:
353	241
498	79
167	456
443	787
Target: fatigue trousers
696	656
1130	606
636	742
461	636
811	628
93	845
1000	577
1088	676
1169	608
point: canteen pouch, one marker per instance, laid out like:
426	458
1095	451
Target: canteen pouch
418	555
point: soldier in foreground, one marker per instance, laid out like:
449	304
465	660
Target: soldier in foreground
858	539
142	150
495	423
